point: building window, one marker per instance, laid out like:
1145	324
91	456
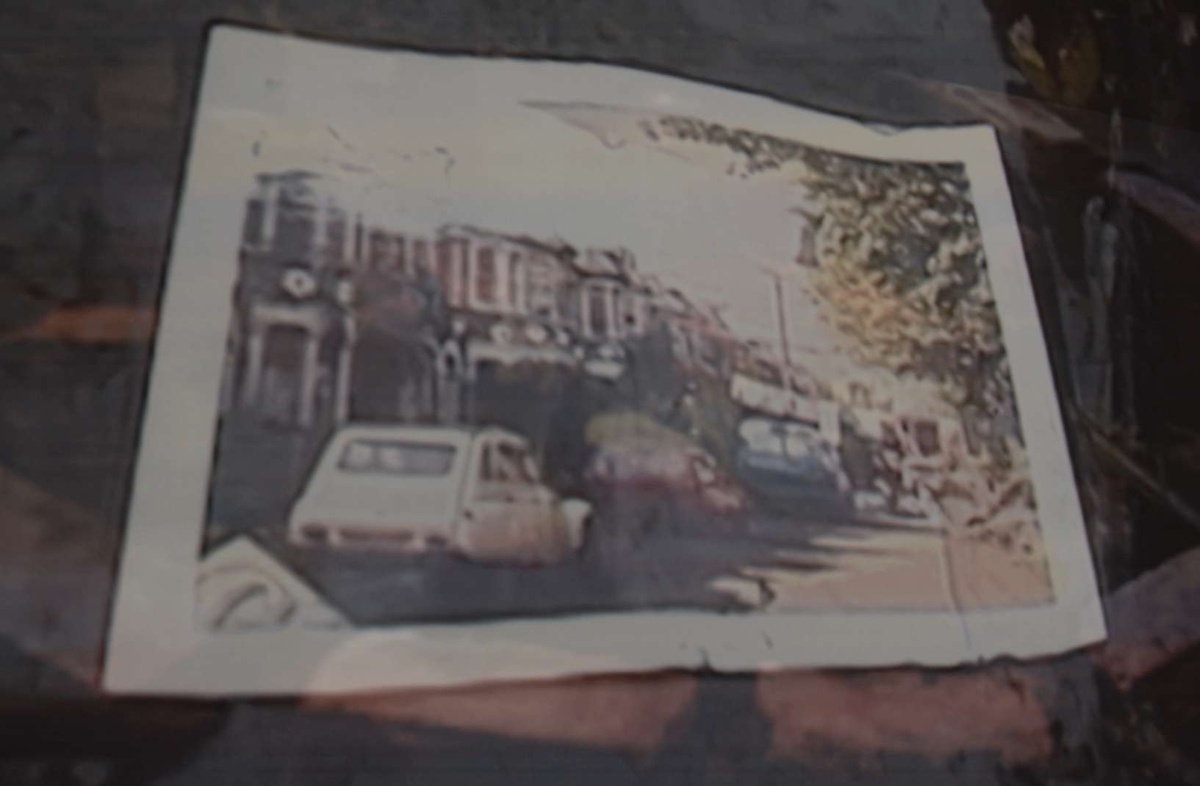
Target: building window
514	281
335	237
445	270
485	275
597	310
464	271
631	323
294	233
401	254
252	229
538	296
376	250
420	255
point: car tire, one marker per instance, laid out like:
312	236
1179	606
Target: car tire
577	534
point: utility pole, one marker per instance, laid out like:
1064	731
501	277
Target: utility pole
783	340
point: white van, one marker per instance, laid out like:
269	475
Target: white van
476	493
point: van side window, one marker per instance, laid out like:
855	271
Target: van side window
493	474
526	465
508	464
386	457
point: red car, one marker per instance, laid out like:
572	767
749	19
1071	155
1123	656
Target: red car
685	473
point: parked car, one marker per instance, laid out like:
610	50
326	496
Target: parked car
790	464
475	493
676	468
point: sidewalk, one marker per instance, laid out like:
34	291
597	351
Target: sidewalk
917	565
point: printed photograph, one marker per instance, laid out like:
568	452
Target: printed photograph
516	359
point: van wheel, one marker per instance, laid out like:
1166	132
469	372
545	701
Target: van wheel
577	533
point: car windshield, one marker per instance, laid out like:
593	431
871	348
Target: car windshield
388	457
797	445
762	436
780	439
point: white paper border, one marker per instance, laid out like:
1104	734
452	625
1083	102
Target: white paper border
154	646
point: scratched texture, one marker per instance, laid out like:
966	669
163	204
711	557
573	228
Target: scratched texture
1097	116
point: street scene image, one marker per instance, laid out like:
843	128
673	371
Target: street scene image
595	358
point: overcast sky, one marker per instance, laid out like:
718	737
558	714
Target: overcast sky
421	141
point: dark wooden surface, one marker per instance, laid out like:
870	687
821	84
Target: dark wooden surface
95	99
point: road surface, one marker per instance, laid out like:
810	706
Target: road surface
762	560
764	563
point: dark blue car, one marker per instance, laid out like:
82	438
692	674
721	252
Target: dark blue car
790	465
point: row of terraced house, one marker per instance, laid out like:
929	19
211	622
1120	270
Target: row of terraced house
336	318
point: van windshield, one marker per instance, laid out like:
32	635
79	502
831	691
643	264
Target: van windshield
386	457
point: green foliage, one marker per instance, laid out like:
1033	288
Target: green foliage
901	272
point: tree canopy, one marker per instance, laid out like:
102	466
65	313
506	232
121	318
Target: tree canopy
902	272
901	267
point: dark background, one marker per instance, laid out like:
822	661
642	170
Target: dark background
1096	103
